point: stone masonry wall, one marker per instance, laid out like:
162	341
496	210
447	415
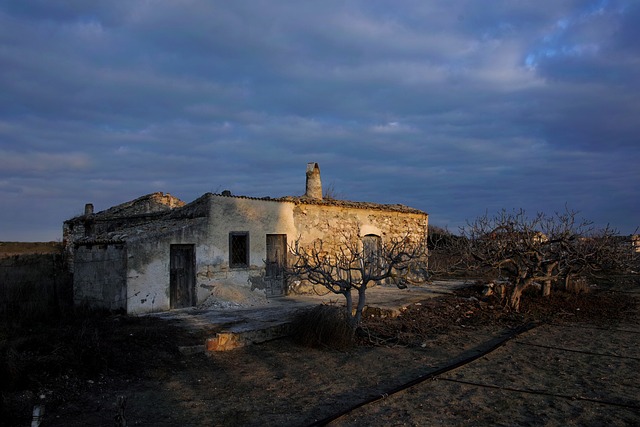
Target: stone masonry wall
100	276
333	225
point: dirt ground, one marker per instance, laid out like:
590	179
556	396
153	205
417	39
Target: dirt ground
579	365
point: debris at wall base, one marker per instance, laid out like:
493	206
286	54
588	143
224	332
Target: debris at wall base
225	341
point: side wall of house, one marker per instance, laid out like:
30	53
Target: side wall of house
99	279
255	217
149	263
334	224
148	259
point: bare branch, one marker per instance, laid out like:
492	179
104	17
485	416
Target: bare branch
543	248
352	265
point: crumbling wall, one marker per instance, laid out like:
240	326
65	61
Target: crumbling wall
149	263
138	212
148	204
99	280
334	224
258	217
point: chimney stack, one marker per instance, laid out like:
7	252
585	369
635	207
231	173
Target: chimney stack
314	185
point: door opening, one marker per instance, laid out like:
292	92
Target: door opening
182	276
276	263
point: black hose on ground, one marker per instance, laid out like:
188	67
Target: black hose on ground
428	376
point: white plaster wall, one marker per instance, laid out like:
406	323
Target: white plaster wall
148	276
149	287
259	218
148	265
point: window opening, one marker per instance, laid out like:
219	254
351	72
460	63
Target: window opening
239	249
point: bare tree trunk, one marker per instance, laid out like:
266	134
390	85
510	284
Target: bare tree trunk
516	294
349	306
514	298
567	281
362	298
546	288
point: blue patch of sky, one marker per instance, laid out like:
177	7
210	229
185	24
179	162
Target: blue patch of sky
551	44
597	8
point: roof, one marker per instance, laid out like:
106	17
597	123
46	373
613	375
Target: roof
302	200
149	204
135	232
158	213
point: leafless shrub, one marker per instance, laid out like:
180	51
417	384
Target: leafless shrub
330	192
324	326
577	286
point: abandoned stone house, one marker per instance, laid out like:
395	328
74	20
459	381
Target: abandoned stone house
157	253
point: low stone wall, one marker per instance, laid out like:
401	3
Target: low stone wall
34	285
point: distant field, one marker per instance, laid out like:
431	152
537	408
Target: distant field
8	249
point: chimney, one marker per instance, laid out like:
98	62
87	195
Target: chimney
314	185
88	209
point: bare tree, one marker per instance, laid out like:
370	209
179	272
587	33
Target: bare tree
545	249
355	264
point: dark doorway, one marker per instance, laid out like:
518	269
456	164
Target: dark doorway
276	262
183	278
372	246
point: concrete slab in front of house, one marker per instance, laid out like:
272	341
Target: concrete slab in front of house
239	327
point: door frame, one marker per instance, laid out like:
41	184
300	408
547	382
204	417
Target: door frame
190	268
275	285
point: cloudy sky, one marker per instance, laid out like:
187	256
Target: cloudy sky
455	107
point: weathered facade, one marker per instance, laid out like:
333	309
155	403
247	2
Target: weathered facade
157	253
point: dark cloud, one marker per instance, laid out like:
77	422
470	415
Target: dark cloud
453	107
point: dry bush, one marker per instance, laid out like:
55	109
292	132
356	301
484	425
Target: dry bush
324	326
578	286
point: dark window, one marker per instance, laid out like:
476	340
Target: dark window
239	249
